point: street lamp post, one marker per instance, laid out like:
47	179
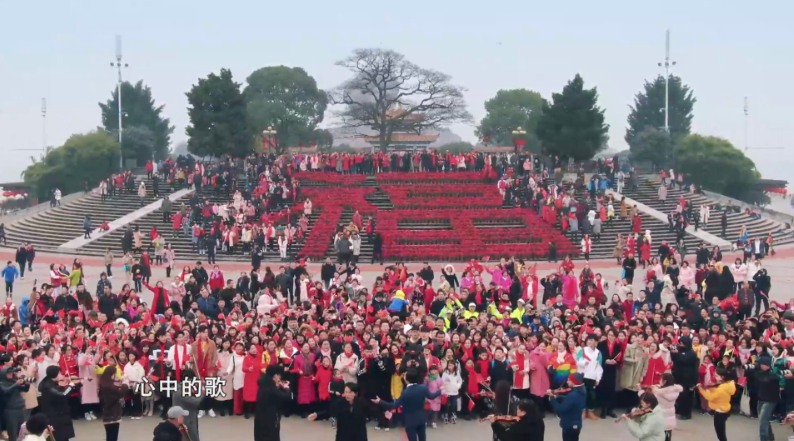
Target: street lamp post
118	65
667	64
518	138
268	135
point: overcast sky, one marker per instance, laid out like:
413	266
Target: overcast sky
725	51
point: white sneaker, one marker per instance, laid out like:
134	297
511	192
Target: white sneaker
211	413
87	416
435	426
386	429
200	413
93	417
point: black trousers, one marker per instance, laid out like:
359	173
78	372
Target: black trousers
683	405
112	431
109	271
571	434
719	425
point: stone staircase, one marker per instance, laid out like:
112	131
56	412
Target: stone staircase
647	192
48	230
182	244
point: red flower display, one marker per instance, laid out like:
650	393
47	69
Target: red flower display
478	226
330	178
443	195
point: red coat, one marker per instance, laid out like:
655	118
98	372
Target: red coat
252	369
645	251
323	379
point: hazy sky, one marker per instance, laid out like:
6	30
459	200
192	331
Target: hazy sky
725	51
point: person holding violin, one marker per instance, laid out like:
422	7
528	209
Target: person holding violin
173	428
526	426
55	389
719	399
569	406
646	423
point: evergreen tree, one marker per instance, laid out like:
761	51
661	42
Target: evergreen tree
648	109
217	114
572	126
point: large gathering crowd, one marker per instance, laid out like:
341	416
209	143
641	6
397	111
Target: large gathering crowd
496	338
71	353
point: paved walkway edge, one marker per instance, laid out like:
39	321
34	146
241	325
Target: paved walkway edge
122	221
700	234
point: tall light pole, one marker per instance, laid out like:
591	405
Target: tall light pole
44	125
268	135
746	115
119	65
667	64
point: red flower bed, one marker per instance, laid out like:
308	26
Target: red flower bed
330	178
463	241
440	195
528	242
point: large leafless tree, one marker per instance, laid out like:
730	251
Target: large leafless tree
388	93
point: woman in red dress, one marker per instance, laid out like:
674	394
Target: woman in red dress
252	368
658	363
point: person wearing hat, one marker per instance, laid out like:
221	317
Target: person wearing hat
570	407
11	387
768	384
54	402
172	428
273	396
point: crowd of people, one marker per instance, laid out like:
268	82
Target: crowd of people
497	341
513	345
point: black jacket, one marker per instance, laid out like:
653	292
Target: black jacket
54	402
524	429
107	304
327	271
767	384
351	420
167	431
427	274
270	402
685	364
22	255
12	394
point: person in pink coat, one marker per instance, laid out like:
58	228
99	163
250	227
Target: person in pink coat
434	383
569	290
266	303
686	276
89	393
667	392
539	381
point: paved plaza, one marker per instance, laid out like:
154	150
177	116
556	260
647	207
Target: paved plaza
295	429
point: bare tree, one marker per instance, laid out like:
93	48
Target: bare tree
388	93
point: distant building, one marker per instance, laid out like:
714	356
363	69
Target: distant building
404	137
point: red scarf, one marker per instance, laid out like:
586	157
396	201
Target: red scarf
520	381
178	362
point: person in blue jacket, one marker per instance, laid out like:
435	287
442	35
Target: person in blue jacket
412	401
569	407
10	274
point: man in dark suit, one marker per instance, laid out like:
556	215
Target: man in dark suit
412	401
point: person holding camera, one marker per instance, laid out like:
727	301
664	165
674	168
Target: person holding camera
12	385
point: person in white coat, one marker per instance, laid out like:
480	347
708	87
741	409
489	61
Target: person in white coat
134	372
452	384
237	375
282	247
588	363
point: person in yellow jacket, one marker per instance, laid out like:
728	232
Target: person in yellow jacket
719	399
519	312
494	311
471	312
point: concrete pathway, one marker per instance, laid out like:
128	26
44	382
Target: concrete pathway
122	221
702	235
